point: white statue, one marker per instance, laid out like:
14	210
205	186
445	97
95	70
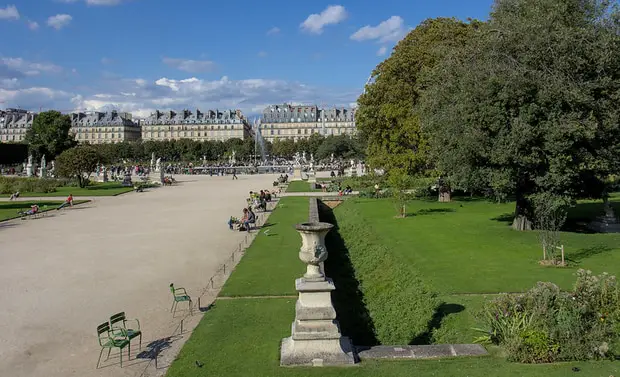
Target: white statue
297	159
332	158
152	160
303	156
53	166
43	167
311	157
158	164
233	160
352	164
29	171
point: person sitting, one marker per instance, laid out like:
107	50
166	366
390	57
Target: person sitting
33	210
249	218
68	201
14	196
348	190
267	195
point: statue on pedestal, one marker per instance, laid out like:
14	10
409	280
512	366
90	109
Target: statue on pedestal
233	160
43	168
331	159
29	171
158	164
303	156
152	160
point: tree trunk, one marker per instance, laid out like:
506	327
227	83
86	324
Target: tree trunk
81	181
522	220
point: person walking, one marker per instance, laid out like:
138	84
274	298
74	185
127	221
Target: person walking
234	171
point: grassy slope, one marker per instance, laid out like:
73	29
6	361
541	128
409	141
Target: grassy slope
271	264
241	338
300	186
8	210
463	247
98	189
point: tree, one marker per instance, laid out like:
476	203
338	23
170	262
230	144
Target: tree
388	111
78	162
399	181
50	134
529	106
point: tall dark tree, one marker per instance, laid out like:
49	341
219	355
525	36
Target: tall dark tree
78	163
530	106
50	134
388	116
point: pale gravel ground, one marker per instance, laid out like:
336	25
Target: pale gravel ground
63	275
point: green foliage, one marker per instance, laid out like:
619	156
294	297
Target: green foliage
399	302
548	325
10	185
530	104
78	162
341	146
388	116
50	134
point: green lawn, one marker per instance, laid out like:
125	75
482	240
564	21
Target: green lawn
271	263
469	247
9	210
458	247
242	338
97	189
300	186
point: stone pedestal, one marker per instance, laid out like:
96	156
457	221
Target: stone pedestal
315	334
297	172
157	177
29	170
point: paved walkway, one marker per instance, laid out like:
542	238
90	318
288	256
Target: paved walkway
64	274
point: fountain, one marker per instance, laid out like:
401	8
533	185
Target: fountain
259	140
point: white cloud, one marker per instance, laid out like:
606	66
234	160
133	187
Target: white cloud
273	30
188	65
141	97
332	15
390	30
18	67
9	83
59	21
262	54
33	25
382	50
9	13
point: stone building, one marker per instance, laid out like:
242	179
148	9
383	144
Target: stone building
14	123
97	127
297	122
198	125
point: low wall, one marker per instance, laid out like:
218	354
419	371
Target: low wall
313	211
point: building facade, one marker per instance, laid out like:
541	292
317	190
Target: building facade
209	125
14	123
97	127
298	122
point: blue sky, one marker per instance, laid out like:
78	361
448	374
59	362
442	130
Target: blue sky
139	55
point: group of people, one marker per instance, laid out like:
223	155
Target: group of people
245	223
259	201
34	209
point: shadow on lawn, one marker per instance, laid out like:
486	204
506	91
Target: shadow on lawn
430	211
441	312
348	299
586	253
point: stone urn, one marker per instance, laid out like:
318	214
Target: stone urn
313	251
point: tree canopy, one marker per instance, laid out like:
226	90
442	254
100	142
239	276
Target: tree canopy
78	162
388	115
530	105
50	134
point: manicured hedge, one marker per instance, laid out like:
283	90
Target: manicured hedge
399	302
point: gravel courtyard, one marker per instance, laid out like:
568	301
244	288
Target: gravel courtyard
64	274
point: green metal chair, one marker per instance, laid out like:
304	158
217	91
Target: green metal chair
179	295
118	326
108	340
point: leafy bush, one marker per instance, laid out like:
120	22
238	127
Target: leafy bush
548	325
9	185
399	302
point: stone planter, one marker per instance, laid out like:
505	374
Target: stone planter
315	334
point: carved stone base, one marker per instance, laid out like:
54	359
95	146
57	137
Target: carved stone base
316	352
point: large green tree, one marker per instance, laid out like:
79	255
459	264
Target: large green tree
530	106
78	163
50	134
388	114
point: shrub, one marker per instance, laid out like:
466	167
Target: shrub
547	325
400	303
9	185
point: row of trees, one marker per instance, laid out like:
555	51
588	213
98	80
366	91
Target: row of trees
50	135
524	105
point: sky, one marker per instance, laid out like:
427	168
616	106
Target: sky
142	55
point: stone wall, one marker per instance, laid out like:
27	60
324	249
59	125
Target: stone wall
313	212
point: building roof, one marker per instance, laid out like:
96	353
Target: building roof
306	113
16	118
188	117
98	118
